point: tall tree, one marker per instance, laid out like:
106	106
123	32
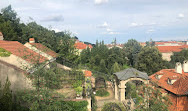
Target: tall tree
116	67
179	57
150	60
132	48
103	66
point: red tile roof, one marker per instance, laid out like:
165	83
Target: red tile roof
166	49
21	51
31	39
81	45
88	73
179	87
44	49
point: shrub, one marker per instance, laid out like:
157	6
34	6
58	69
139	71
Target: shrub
4	53
111	107
102	93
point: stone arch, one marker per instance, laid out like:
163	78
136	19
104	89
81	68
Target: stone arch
120	90
124	76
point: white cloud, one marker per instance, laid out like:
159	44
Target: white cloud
53	18
136	24
181	15
150	31
112	33
104	25
101	1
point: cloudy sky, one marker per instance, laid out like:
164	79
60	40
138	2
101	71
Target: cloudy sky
92	20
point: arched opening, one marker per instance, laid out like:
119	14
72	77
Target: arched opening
131	88
100	82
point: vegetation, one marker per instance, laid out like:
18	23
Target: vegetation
150	60
4	53
132	48
112	107
102	59
8	101
156	101
179	57
102	93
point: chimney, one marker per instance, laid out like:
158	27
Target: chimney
31	40
178	68
1	36
185	66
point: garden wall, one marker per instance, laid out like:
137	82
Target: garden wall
16	76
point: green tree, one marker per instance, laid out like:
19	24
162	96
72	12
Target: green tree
6	97
132	48
179	57
150	60
116	67
103	66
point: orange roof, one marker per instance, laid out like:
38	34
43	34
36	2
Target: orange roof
88	73
165	49
90	46
179	87
21	51
44	49
81	45
31	39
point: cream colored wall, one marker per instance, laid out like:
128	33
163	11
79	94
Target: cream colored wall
16	77
38	51
16	61
166	56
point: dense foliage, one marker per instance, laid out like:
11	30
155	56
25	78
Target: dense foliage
102	93
8	101
104	60
112	107
150	60
179	57
132	48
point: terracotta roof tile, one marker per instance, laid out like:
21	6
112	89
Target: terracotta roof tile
179	87
31	39
165	49
88	73
21	51
44	49
81	45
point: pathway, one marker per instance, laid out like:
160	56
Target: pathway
102	100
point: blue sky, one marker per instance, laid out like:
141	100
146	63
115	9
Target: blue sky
92	20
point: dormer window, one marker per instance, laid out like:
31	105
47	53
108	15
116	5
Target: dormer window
171	81
158	76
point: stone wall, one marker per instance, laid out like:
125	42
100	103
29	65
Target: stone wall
16	76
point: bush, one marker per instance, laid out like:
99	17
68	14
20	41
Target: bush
102	93
74	105
111	107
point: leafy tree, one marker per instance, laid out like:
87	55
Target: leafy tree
150	60
132	48
103	66
179	57
116	67
6	97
